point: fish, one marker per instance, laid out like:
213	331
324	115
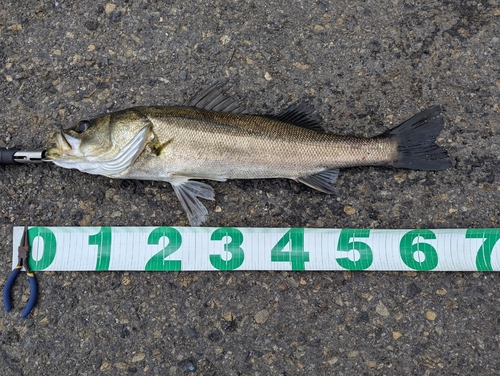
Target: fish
212	137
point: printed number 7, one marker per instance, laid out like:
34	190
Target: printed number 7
490	236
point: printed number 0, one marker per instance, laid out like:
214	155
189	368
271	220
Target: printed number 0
49	247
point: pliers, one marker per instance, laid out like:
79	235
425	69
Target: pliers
22	256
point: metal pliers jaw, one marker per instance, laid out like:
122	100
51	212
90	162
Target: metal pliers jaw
22	260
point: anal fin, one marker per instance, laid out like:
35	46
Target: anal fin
322	181
187	192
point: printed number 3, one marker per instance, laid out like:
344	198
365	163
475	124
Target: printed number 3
233	247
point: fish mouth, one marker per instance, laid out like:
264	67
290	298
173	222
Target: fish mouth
65	146
65	142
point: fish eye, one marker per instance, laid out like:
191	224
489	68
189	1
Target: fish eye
82	126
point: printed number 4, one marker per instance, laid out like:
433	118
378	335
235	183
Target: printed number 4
296	255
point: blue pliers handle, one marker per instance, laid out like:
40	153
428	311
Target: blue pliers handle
23	253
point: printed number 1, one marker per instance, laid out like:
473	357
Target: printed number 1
490	236
103	242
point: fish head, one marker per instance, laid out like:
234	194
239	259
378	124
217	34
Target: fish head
103	146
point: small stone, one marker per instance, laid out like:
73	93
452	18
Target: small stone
396	335
225	39
218	209
109	8
16	27
126	280
381	309
115	16
90	48
332	361
367	296
91	25
121	365
353	354
349	210
138	357
441	292
183	75
371	364
401	177
261	316
228	316
301	66
430	315
267	76
105	366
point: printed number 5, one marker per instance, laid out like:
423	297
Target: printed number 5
346	245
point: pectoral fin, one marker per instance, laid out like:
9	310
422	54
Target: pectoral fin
322	181
187	192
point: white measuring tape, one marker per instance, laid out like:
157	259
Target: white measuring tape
227	248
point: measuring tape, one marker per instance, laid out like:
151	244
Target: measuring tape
227	248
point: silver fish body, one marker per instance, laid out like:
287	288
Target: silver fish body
213	139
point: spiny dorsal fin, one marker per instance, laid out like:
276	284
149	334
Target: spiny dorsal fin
322	181
301	116
213	98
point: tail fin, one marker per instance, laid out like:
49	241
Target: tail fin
416	138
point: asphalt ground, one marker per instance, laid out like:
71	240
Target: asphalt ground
364	66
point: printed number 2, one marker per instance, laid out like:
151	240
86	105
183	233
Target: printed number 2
346	245
490	236
158	262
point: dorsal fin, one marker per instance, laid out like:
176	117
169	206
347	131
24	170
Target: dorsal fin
213	98
301	116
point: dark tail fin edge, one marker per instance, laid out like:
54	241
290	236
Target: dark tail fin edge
416	142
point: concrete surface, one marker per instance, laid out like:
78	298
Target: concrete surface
364	66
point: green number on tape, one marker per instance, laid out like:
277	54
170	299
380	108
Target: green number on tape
296	256
158	262
103	242
412	253
490	236
49	247
233	247
346	245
